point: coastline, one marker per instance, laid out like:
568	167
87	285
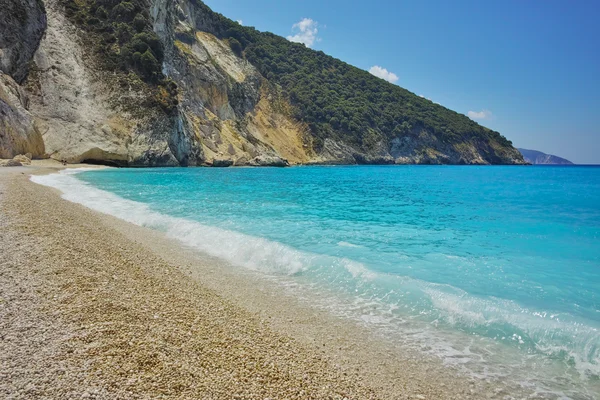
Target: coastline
126	312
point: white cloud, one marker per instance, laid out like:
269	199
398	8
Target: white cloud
306	32
483	114
239	21
383	74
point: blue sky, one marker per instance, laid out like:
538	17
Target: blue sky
528	69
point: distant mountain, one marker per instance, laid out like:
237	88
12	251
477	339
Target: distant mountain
537	157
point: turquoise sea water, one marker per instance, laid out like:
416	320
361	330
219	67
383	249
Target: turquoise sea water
501	265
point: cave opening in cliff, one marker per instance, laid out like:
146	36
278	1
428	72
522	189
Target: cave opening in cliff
107	163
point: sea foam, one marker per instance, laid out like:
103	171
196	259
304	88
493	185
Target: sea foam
239	249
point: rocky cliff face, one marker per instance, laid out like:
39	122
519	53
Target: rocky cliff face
22	23
88	115
19	133
213	107
228	106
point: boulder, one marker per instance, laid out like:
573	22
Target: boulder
24	160
222	163
11	163
242	161
265	160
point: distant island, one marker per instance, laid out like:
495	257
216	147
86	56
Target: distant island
537	158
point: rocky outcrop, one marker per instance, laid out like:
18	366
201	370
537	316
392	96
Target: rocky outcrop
23	159
22	24
19	133
419	147
17	161
10	163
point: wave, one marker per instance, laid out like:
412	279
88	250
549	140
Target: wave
352	245
239	249
384	298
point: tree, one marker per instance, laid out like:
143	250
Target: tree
236	46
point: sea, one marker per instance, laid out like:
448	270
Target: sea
492	270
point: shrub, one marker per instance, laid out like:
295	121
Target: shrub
123	33
149	65
140	23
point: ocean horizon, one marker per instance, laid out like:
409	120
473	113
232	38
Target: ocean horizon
492	271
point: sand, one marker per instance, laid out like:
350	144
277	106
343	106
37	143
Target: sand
94	307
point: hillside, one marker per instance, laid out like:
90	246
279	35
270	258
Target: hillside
151	83
537	157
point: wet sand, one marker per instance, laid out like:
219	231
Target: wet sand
94	307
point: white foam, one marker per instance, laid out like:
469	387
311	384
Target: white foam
239	249
575	339
347	244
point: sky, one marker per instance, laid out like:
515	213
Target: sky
529	69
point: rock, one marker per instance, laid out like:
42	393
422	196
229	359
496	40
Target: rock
24	160
19	132
242	161
222	163
269	161
11	163
22	24
374	160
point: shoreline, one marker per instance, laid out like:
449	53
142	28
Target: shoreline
54	164
343	357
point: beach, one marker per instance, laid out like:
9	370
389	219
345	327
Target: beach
94	307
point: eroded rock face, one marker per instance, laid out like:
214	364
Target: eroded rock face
232	110
84	116
19	133
22	24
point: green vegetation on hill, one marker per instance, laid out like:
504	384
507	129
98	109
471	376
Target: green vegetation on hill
123	40
338	100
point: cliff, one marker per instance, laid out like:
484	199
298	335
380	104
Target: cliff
167	83
537	157
22	24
